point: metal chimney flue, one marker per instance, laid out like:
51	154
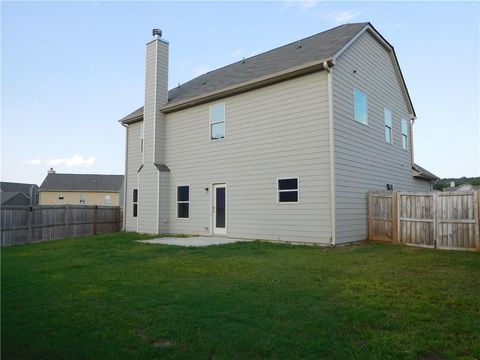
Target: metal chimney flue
157	33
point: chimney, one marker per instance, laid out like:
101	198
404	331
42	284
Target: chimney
51	171
156	95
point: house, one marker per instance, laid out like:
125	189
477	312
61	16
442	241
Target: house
81	189
280	146
463	187
17	194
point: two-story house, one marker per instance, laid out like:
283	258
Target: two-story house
282	146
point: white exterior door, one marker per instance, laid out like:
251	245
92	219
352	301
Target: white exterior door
219	209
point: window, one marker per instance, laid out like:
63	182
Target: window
107	201
82	199
404	134
217	121
141	137
61	197
183	201
360	106
135	202
288	190
387	115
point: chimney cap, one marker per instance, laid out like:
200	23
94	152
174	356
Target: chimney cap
157	33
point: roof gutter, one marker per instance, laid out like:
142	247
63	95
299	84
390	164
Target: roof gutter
249	85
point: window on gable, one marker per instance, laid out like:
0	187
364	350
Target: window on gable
387	114
404	134
287	190
217	121
183	202
360	106
135	202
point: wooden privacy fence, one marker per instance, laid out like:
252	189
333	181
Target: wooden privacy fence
24	224
444	220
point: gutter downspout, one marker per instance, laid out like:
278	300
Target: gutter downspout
332	154
124	225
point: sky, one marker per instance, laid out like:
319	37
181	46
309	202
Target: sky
71	70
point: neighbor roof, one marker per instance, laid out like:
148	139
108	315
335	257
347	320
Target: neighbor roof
316	48
82	182
422	173
6	196
15	187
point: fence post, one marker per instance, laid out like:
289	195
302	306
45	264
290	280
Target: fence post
29	235
435	222
95	220
369	215
66	221
394	217
477	219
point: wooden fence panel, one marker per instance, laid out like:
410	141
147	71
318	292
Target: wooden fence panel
20	225
447	220
416	219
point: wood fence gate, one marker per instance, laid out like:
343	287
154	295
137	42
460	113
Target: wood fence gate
444	220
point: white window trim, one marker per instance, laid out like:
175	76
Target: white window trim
366	106
183	202
61	197
390	127
288	190
210	123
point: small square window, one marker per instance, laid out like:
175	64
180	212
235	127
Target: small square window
287	190
61	197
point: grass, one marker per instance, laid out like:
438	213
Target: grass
111	297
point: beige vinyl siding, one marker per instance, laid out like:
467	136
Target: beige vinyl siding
73	198
363	160
133	164
274	132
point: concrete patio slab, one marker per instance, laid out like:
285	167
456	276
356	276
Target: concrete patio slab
192	241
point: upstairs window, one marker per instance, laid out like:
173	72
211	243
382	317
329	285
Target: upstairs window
287	190
217	121
183	202
404	134
135	202
61	197
387	115
107	200
83	199
360	106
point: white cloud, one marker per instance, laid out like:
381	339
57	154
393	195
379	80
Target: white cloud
338	17
34	162
74	161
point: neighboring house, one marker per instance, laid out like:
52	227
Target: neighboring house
284	145
18	194
464	187
81	189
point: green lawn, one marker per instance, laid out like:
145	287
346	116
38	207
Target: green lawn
111	297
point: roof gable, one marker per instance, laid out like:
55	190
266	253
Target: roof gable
82	182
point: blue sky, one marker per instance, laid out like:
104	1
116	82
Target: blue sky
70	70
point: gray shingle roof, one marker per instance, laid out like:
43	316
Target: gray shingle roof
322	46
82	182
424	173
15	187
6	196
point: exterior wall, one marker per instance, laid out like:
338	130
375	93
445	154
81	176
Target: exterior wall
363	160
134	161
277	131
73	198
